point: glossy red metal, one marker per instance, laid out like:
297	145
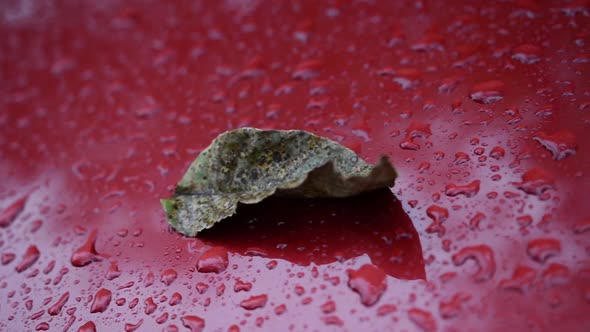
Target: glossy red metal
482	106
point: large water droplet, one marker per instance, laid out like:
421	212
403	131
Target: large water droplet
254	302
193	323
536	181
540	250
150	306
423	319
56	308
369	282
521	280
469	190
87	327
168	276
9	214
101	301
527	54
483	256
213	260
561	144
29	258
487	92
86	254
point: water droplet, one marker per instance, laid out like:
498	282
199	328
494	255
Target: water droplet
386	309
9	214
461	158
438	215
487	92
171	328
168	276
133	303
415	130
328	307
201	287
113	271
130	327
454	306
241	286
86	254
536	181
150	306
101	301
527	54
469	190
87	327
49	267
497	153
448	85
521	280
162	319
369	282
149	279
193	323
540	250
175	299
213	260
423	319
254	302
407	78
7	258
430	42
556	275
42	326
333	320
582	226
29	258
561	144
56	308
271	264
483	256
220	289
280	309
307	70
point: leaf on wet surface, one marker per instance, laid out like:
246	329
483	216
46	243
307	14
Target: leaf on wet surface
247	165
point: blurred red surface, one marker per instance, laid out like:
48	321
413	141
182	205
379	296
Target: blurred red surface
482	106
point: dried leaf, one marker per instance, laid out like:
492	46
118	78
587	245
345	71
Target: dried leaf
247	165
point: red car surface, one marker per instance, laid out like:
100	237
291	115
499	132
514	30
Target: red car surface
483	107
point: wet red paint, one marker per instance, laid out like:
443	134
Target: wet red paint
482	107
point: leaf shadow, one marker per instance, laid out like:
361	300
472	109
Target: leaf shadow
323	231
